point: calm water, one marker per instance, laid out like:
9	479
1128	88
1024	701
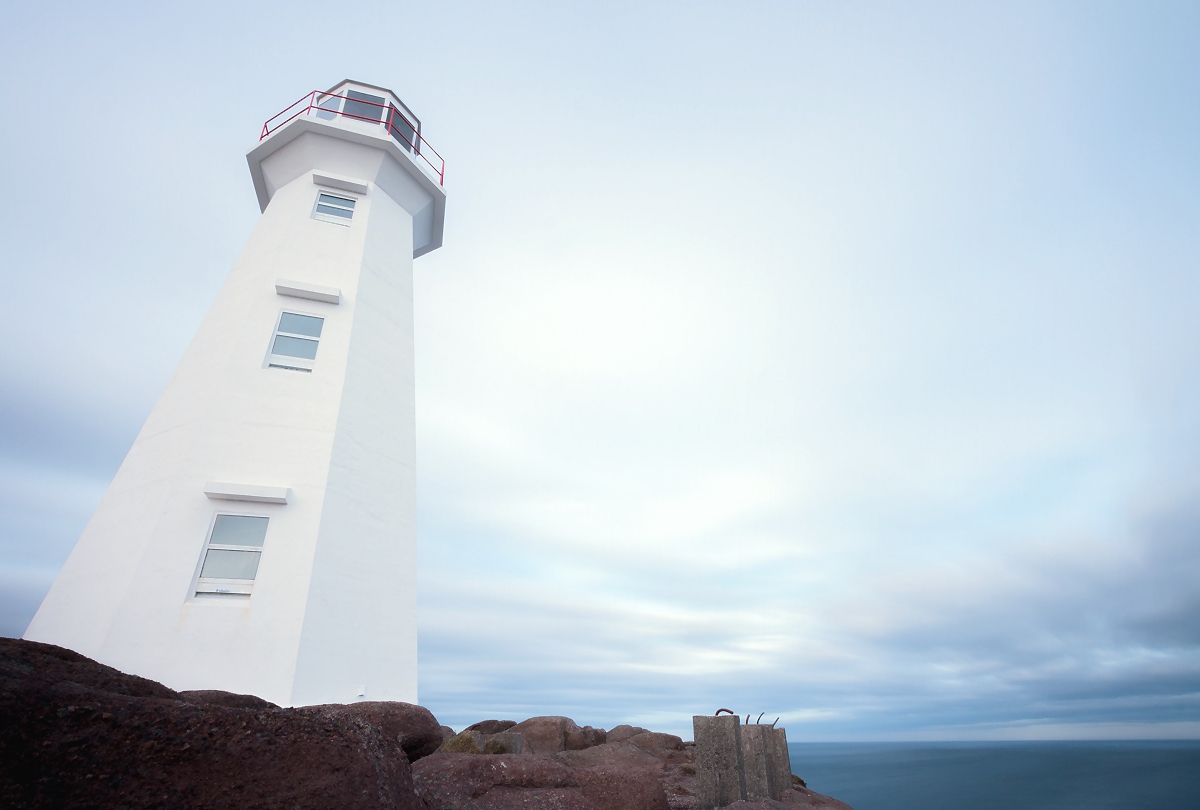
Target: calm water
983	776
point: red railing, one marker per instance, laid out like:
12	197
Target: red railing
332	105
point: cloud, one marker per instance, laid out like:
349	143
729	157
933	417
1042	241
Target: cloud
832	364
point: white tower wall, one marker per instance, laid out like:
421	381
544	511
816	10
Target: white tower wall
332	612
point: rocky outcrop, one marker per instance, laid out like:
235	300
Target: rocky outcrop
209	697
682	788
414	727
75	733
491	726
549	735
622	733
467	782
799	799
657	743
621	756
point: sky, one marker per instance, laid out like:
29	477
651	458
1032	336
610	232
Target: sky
836	361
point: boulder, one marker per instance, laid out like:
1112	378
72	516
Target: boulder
75	733
491	726
656	742
413	727
622	756
463	782
214	697
506	742
447	733
470	741
548	735
585	737
464	742
622	733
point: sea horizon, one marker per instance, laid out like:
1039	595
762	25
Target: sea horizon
982	775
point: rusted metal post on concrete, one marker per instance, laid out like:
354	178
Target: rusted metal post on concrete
718	761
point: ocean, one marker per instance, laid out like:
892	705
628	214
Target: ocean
989	776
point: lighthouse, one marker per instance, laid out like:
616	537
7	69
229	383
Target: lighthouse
260	535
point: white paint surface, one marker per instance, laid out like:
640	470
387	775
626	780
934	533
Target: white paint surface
333	607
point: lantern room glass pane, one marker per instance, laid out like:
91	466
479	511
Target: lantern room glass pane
401	129
328	107
220	563
363	106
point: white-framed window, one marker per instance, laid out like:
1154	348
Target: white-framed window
294	344
230	560
335	208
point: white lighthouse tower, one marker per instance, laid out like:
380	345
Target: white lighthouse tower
260	535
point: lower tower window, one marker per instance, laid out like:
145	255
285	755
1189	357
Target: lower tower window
231	557
294	344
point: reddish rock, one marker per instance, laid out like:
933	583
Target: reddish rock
413	727
657	743
547	735
464	742
622	756
804	798
491	726
681	785
212	697
469	782
796	799
77	734
623	733
582	738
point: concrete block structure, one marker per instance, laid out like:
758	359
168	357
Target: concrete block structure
756	765
779	763
260	535
718	760
735	762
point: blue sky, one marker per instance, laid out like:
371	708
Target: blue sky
837	361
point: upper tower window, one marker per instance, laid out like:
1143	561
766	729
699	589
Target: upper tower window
331	208
294	344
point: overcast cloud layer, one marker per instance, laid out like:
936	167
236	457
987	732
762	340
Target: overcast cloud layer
835	361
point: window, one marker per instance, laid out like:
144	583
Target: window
231	556
294	344
401	130
330	208
363	106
